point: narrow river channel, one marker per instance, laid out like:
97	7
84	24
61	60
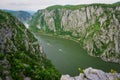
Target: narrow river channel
67	56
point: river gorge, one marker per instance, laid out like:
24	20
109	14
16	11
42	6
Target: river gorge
60	42
67	56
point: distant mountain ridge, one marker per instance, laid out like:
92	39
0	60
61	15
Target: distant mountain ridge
23	16
117	2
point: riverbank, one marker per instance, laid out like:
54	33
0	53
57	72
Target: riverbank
60	36
77	40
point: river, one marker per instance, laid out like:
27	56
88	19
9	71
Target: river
67	56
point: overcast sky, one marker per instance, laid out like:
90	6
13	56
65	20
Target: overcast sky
34	5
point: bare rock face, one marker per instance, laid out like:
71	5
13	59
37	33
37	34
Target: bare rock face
93	74
96	27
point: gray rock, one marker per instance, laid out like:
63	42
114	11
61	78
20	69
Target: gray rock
27	78
93	74
0	78
66	77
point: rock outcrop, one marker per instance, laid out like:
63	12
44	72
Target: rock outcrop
95	26
21	57
93	74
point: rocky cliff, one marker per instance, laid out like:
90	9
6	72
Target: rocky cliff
93	74
21	57
95	26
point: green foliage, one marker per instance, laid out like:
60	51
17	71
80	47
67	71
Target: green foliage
97	27
117	14
2	18
113	71
66	33
105	5
96	50
72	7
81	70
57	20
31	36
104	46
1	56
33	23
36	67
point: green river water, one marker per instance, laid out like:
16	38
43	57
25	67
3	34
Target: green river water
67	56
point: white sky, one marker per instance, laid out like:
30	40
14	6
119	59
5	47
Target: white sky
34	5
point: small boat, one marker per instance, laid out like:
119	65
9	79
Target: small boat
60	50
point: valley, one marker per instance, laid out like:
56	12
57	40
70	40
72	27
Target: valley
95	26
60	42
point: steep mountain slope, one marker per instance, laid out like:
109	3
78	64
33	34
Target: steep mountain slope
95	26
23	16
21	57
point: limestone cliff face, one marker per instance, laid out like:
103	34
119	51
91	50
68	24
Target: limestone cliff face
21	57
96	26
